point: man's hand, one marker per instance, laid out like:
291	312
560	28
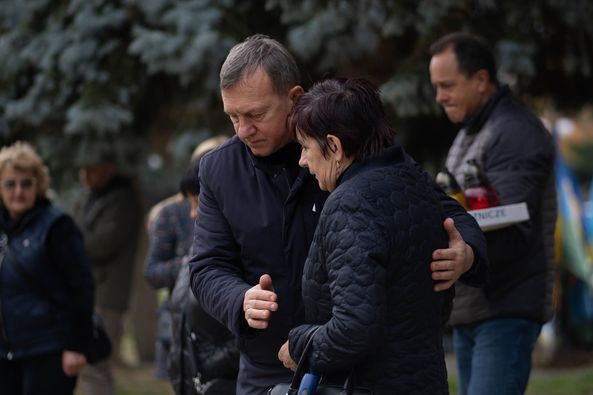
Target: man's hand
284	356
259	303
72	362
450	263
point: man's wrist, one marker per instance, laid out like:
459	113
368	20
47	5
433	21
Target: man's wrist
469	258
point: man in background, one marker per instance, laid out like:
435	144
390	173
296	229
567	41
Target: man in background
495	328
109	213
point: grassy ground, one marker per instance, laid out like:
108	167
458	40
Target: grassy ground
569	374
566	382
140	380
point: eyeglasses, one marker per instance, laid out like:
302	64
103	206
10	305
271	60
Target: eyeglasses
25	183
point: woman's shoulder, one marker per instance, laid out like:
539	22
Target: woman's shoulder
380	179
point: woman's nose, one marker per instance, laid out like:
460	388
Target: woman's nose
302	161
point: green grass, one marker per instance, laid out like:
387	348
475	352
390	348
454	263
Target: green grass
577	381
140	381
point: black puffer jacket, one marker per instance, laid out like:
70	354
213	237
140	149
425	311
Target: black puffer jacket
201	346
367	281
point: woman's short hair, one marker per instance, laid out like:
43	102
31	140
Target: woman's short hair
21	156
349	109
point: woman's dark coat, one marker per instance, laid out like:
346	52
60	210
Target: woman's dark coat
49	247
367	281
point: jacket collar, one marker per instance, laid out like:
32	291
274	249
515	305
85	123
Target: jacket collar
286	157
390	156
13	226
474	123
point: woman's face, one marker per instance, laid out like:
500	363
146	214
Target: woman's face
324	169
18	190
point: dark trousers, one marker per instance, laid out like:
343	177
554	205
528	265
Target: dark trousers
39	375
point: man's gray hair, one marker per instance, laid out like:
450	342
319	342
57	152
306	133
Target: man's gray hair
260	51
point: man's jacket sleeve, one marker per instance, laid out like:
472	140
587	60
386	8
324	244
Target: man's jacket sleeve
215	265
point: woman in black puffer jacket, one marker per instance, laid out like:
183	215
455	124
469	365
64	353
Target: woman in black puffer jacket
367	281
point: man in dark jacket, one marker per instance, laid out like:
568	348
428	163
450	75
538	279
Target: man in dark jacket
109	213
495	328
258	212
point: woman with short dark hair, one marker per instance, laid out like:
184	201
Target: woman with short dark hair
367	284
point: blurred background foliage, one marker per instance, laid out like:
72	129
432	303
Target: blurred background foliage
142	75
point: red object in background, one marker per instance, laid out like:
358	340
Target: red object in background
478	192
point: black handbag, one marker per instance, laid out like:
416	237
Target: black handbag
99	347
322	388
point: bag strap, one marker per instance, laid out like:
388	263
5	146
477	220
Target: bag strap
302	364
348	387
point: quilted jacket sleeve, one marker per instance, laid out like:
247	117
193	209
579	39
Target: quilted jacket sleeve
216	275
162	262
353	250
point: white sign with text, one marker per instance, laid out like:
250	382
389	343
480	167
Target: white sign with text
500	216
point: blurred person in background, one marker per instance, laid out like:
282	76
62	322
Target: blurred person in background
170	229
204	354
109	213
46	285
495	328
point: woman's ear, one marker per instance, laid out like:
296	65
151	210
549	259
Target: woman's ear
335	146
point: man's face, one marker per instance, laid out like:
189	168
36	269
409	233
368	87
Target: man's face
97	176
258	113
459	95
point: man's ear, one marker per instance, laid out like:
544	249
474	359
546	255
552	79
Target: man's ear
482	76
335	146
294	93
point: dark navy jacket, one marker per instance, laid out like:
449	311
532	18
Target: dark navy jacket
49	247
367	281
257	216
